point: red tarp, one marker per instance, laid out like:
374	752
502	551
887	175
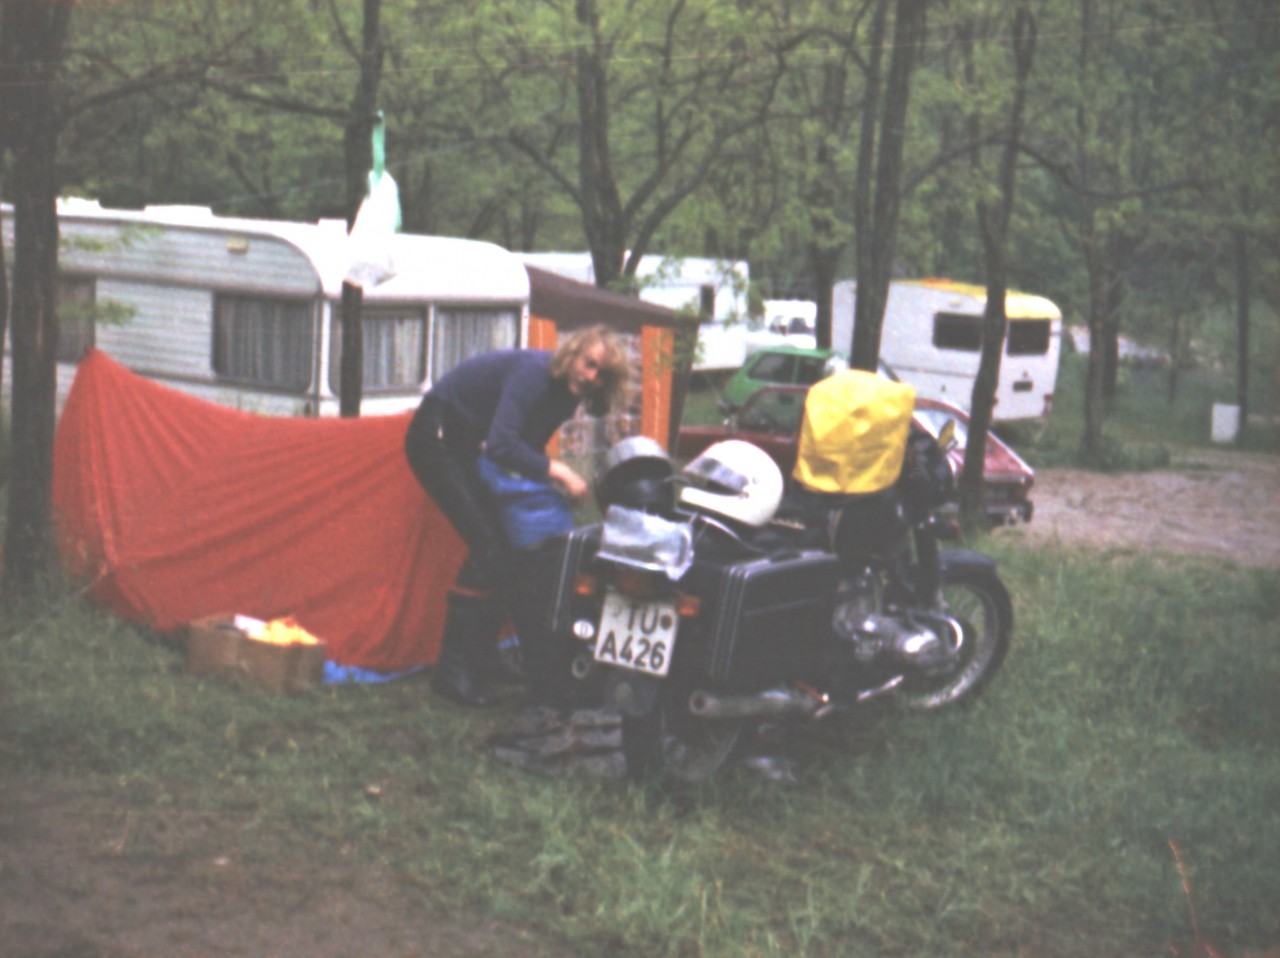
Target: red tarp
177	508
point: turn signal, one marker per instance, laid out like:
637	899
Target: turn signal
585	585
688	606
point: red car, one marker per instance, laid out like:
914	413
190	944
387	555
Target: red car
771	419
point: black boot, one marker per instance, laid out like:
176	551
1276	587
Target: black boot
546	660
470	630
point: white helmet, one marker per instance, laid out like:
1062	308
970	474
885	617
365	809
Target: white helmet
736	480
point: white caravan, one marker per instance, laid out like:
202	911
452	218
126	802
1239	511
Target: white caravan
247	313
932	338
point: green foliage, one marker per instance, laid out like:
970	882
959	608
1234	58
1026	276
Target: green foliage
1144	427
1138	706
483	129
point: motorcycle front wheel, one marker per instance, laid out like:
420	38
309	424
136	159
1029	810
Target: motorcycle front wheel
979	603
670	745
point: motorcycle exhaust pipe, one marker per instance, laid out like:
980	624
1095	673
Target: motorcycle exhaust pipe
776	702
773	702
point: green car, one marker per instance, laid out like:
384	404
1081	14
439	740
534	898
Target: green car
778	366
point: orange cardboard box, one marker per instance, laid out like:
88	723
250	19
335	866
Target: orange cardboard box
217	647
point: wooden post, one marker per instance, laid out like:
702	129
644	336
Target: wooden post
351	384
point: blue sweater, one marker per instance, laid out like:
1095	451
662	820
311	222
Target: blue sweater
506	401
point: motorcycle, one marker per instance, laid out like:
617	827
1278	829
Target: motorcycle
706	605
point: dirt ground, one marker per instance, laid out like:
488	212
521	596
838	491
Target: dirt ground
83	877
1210	503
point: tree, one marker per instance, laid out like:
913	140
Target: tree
628	117
1237	104
37	98
826	107
32	43
1091	137
878	181
993	224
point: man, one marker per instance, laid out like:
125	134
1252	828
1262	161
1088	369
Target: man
506	404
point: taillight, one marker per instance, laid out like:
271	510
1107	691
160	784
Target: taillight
635	582
639	584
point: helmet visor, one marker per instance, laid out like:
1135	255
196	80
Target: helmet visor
714	475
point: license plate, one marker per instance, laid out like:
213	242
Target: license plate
636	634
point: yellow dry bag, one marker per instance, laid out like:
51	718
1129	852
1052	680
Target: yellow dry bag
854	434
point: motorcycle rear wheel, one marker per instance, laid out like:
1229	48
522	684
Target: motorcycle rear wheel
979	601
670	745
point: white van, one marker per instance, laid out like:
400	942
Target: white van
786	322
932	337
247	313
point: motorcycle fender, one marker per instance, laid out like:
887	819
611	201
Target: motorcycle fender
631	694
958	561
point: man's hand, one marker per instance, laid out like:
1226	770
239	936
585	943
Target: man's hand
575	487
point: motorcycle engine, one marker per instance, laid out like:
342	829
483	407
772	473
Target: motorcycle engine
857	603
903	639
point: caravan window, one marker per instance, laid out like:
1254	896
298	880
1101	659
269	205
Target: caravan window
459	333
394	350
264	342
957	331
76	308
1028	337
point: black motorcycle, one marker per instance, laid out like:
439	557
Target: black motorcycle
701	626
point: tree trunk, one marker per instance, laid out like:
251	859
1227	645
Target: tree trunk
824	266
878	194
994	225
824	246
1091	439
1243	294
4	298
1111	341
1121	249
358	157
867	313
8	63
29	554
602	214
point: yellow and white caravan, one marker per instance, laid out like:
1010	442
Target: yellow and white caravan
932	338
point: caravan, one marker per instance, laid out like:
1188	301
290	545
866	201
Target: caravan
247	312
932	337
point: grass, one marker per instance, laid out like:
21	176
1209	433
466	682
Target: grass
1139	706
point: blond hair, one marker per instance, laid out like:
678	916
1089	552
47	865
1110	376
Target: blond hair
613	381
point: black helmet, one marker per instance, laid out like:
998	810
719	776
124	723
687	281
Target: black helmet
637	474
